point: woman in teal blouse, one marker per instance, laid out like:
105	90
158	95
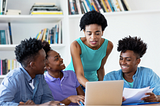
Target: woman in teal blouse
89	53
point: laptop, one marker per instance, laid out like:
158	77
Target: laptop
104	93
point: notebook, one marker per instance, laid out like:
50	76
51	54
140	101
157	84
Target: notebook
104	93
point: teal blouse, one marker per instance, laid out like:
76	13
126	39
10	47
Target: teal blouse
91	59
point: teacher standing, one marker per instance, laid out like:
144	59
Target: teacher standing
89	54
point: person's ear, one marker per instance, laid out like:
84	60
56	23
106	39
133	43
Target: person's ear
47	65
138	61
32	64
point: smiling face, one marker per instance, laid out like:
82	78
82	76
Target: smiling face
128	62
55	62
93	33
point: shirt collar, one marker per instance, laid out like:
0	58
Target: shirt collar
65	74
27	76
135	75
50	78
120	74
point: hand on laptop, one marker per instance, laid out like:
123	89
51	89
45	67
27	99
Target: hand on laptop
123	99
76	99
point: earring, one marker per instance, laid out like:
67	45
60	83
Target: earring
45	68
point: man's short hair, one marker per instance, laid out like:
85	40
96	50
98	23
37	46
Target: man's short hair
132	43
27	50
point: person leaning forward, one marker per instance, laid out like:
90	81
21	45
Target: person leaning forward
26	85
89	54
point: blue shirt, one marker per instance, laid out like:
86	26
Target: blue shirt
64	87
91	59
15	88
143	77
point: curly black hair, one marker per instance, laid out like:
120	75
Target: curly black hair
27	50
132	43
46	47
93	17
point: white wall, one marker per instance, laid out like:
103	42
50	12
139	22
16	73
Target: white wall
144	25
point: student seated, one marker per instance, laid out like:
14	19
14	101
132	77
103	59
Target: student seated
132	49
63	84
26	85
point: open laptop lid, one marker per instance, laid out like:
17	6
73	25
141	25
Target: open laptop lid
104	92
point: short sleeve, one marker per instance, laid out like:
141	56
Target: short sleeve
75	78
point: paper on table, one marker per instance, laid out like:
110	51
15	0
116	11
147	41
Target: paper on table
134	95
